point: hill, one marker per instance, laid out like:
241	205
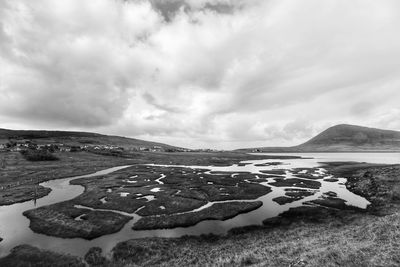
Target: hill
75	138
345	138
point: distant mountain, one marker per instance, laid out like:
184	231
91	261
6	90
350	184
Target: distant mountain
75	138
345	138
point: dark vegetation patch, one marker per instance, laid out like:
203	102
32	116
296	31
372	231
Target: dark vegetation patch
94	257
277	172
282	200
242	191
26	255
297	192
307	176
38	155
330	194
333	180
311	214
218	211
61	220
292	195
330	202
268	164
296	182
110	153
170	205
158	251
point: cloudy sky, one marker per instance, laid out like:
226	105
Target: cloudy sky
200	73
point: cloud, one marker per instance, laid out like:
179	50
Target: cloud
150	99
203	73
65	63
170	8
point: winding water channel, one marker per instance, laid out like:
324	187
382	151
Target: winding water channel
14	227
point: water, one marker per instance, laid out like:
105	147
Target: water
14	227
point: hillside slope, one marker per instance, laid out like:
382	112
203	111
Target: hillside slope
345	138
351	137
75	138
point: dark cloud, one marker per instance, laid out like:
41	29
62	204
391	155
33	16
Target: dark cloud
222	8
169	8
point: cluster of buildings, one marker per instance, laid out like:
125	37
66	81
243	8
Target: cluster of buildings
53	147
16	146
152	149
20	145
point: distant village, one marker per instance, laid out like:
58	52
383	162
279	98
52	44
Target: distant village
17	146
21	145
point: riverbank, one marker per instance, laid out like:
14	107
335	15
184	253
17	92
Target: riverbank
316	236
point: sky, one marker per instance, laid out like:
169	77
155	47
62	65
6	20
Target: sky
218	74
